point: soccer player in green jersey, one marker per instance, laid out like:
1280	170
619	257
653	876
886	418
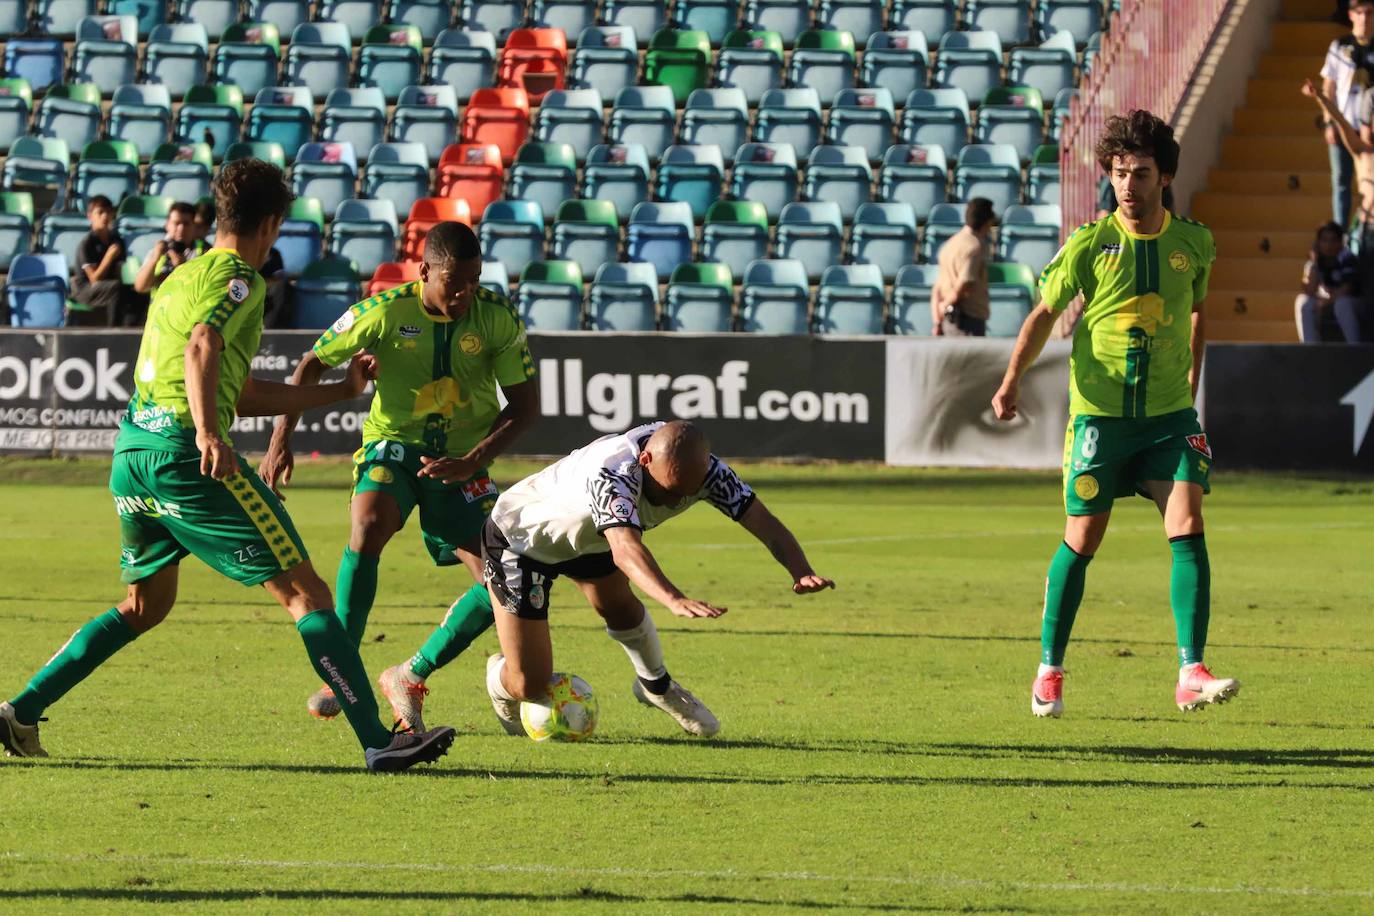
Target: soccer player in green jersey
180	488
444	344
1137	353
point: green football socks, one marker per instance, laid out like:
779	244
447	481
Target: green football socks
87	650
1063	594
467	619
355	591
1190	595
336	660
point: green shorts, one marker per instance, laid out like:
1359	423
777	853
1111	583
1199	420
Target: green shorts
451	515
1106	458
168	509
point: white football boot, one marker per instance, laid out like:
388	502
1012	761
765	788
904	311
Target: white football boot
1197	687
19	740
507	711
686	710
406	696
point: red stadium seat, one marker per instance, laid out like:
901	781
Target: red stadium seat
498	116
392	274
424	215
534	60
472	172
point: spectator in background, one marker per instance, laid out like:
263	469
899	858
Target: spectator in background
1330	285
1347	72
98	282
959	299
277	312
175	248
204	222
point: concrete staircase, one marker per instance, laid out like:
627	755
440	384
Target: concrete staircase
1272	186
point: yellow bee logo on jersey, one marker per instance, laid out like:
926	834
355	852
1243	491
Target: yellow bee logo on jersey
1145	312
470	344
442	396
1178	260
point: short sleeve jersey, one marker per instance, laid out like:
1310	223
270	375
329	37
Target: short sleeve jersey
92	252
563	511
1132	350
437	379
218	289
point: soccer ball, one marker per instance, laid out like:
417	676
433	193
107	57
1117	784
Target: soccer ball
568	715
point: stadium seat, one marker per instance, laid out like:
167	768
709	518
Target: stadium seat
550	296
61	233
398	172
914	175
623	297
700	299
619	174
106	51
751	61
936	118
1059	113
16	221
1011	296
319	57
326	289
149	14
812	234
283	115
990	170
499	116
1048	68
1077	18
644	17
859	18
716	116
660	233
789	18
1042	177
714	17
356	116
429	16
108	167
471	173
494	277
247	56
790	116
692	174
862	118
944	221
606	59
823	60
645	115
512	232
427	115
16	104
499	17
909	313
774	298
1009	20
587	233
39	61
391	59
36	290
680	60
735	233
1012	115
545	173
850	300
70	112
301	239
38	166
142	115
211	114
571	116
570	17
176	56
286	15
930	17
364	232
535	60
462	60
327	172
14	19
425	214
392	274
265	150
884	235
897	61
355	15
214	16
971	61
840	174
141	221
1029	235
766	173
180	171
61	18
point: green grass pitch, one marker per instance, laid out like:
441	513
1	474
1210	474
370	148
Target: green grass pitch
877	754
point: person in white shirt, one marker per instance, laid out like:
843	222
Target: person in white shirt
1347	71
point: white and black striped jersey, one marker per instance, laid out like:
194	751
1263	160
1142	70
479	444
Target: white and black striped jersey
561	512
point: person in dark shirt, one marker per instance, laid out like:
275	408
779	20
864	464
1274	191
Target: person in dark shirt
97	282
277	311
1330	287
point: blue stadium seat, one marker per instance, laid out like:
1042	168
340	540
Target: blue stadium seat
1042	177
660	233
62	234
624	297
550	296
606	59
850	300
751	62
149	14
587	233
930	17
494	277
61	18
284	115
180	171
572	16
789	18
714	17
767	173
812	234
464	60
301	239
1008	306
840	174
944	221
862	118
36	290
319	57
619	174
1047	68
14	19
936	117
824	61
1029	235
324	291
427	115
774	298
991	170
700	299
571	116
429	16
108	167
327	172
140	231
16	105
735	233
495	16
971	61
692	174
914	175
790	116
356	15
106	51
211	115
176	56
247	56
1010	20
884	235
68	117
38	166
286	15
644	17
40	61
398	172
388	62
512	232
356	116
1078	18
716	116
364	232
213	15
1059	113
645	115
860	18
909	313
545	173
897	61
16	222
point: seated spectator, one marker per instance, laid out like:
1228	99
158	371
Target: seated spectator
204	221
277	312
175	248
98	283
1330	288
959	300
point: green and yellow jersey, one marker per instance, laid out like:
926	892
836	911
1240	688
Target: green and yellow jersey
1132	350
437	379
218	289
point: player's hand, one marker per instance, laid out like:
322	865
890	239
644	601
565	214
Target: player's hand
447	470
1004	402
687	607
217	459
811	583
1309	88
361	370
276	469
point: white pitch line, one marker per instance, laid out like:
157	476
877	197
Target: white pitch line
1112	887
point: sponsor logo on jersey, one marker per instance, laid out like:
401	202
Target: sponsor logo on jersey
1198	443
345	322
380	475
150	506
622	508
1178	260
238	290
1111	249
409	330
479	488
1086	486
470	344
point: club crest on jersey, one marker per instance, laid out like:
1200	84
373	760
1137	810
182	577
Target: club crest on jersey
1179	261
1111	249
1086	486
238	290
1198	443
470	344
479	488
345	322
409	330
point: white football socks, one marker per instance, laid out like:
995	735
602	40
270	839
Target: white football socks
642	645
494	685
1046	669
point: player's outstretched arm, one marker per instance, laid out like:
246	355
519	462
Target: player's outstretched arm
783	545
519	414
1035	332
201	365
262	398
279	461
635	561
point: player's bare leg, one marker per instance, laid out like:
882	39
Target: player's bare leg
628	623
522	670
1083	536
